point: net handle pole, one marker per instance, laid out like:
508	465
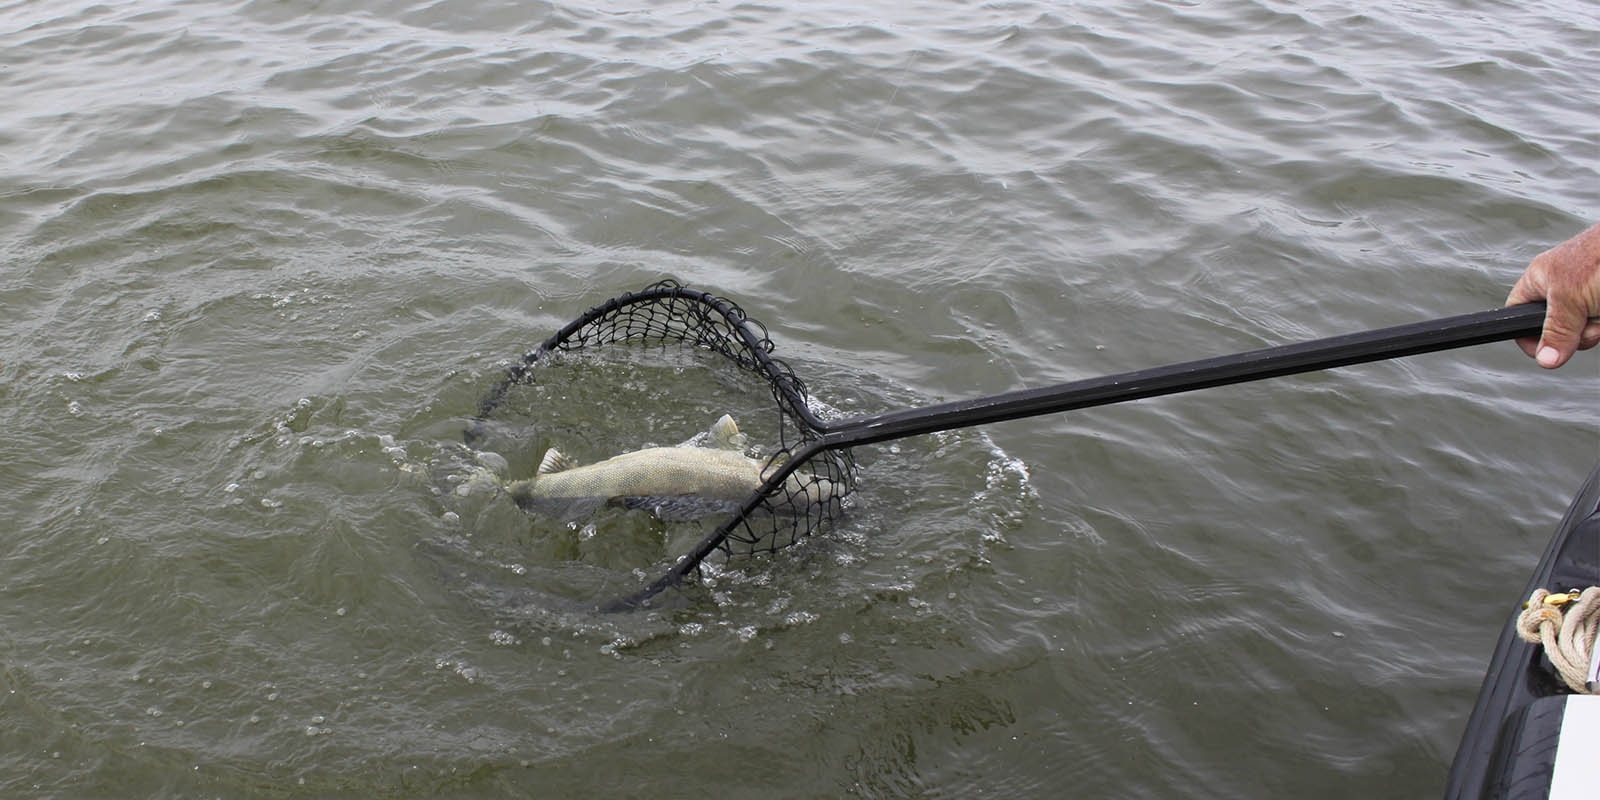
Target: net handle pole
1355	348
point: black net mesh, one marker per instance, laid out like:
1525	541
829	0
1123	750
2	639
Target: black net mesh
806	479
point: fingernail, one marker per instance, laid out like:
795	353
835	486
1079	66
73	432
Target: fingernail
1548	357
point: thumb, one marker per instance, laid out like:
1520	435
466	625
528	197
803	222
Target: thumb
1563	320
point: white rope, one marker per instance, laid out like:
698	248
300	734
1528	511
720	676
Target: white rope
1567	624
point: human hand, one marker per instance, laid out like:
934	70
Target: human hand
1567	277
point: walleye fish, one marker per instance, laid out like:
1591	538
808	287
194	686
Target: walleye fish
674	483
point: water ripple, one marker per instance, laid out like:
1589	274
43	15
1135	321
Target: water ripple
263	258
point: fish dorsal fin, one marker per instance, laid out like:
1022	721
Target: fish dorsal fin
553	461
725	434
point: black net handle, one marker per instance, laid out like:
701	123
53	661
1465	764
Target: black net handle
1493	325
1400	341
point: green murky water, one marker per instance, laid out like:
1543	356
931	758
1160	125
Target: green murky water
261	260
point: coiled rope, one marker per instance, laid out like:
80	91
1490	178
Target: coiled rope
1567	624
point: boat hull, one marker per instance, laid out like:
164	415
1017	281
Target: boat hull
1510	746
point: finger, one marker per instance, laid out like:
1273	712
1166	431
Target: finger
1523	292
1590	335
1528	288
1529	345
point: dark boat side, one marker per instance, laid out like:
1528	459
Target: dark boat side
1522	697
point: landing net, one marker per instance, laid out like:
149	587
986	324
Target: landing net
806	482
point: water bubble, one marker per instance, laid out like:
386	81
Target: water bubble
75	408
231	488
267	502
450	516
503	638
341	611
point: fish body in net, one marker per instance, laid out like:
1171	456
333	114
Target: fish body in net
681	482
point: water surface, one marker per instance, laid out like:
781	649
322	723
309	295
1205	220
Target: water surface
261	259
